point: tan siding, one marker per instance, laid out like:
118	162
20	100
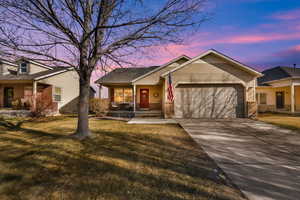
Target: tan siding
69	82
214	70
154	78
271	97
297	96
5	67
33	68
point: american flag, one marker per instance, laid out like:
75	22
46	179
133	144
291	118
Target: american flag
170	89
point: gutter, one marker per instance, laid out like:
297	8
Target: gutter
49	75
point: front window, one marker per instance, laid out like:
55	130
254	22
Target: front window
261	98
24	67
123	95
57	94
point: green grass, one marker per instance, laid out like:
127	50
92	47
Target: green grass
282	120
39	161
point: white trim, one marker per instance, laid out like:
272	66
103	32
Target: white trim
8	63
208	83
293	100
53	94
33	62
134	98
283	79
246	68
52	74
161	67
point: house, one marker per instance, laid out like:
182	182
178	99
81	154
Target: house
210	85
279	90
27	84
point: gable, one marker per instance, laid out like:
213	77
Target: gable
154	77
33	68
6	68
218	57
212	69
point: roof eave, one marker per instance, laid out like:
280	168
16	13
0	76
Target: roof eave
246	68
161	67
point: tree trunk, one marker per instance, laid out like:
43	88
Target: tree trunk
83	130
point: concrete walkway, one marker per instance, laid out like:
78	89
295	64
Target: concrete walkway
151	121
261	159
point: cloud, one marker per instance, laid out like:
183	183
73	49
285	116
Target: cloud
288	15
286	57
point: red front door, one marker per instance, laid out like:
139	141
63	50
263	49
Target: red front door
144	98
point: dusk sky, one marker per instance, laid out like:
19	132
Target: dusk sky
260	33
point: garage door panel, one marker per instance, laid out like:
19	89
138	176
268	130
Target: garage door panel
207	101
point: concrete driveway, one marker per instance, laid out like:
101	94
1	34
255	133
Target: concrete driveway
261	159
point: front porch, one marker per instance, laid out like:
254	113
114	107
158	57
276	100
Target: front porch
135	100
19	97
281	98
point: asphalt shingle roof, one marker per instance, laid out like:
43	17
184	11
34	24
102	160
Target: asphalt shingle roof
277	73
30	76
125	75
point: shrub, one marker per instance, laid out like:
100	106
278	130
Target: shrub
99	106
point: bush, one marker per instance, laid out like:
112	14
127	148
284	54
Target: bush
17	104
44	106
99	106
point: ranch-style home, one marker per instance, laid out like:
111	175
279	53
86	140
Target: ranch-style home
211	85
29	85
279	90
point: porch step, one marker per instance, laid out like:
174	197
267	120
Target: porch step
15	113
131	114
150	113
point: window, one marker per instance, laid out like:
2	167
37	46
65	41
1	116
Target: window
261	98
57	94
24	67
123	95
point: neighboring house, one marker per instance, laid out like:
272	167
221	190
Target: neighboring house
210	85
32	83
279	90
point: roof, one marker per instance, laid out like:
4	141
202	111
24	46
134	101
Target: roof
125	75
213	51
2	60
278	73
34	62
163	66
36	76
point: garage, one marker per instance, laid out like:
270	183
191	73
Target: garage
209	101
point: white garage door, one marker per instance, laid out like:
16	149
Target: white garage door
209	101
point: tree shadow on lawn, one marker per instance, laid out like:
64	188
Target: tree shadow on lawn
113	165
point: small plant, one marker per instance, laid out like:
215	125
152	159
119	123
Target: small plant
17	104
98	106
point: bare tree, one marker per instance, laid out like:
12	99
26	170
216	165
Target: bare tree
87	33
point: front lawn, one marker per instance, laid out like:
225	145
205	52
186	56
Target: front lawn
282	120
122	162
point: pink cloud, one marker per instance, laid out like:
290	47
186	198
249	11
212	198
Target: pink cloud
263	37
289	15
297	48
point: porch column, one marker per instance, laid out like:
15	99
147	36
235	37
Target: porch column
100	90
134	98
34	93
292	97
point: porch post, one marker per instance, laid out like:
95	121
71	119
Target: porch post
34	92
100	90
292	97
134	98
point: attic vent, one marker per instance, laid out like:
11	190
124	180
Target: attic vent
24	67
